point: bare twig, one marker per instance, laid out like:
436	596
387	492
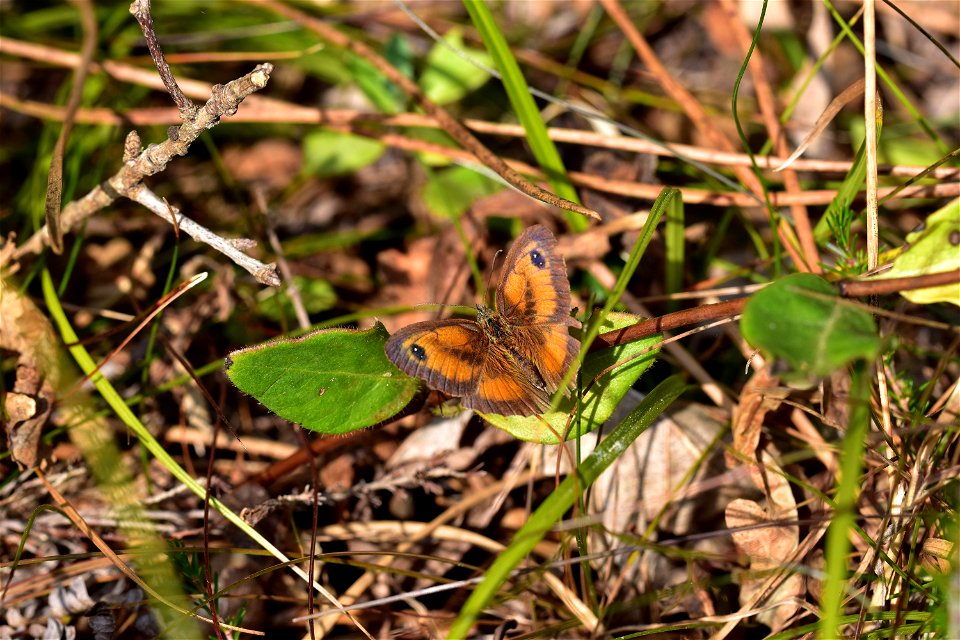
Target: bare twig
881	286
726	309
141	11
265	273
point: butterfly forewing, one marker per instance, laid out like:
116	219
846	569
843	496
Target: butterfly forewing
534	296
534	288
448	354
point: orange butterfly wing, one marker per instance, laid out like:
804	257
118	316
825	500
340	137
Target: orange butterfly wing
504	388
534	297
513	374
534	289
448	354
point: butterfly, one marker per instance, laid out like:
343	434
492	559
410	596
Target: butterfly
512	358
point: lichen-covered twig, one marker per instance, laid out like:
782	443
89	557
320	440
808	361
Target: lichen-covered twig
141	11
127	182
224	100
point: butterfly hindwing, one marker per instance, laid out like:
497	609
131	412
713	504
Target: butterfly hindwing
505	389
549	348
534	288
448	354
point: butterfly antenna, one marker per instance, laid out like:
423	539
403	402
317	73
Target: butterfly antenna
493	270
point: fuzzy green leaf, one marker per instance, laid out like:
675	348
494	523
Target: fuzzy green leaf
447	77
450	192
331	381
330	153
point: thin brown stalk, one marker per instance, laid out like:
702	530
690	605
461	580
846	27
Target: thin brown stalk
768	111
264	109
871	115
447	122
695	112
54	196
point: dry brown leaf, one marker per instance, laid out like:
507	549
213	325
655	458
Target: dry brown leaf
439	439
434	270
646	480
25	331
760	395
272	163
936	554
768	549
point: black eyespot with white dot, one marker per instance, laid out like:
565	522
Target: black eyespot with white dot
418	352
537	259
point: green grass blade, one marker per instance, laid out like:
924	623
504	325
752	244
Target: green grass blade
563	497
674	242
891	85
838	535
126	415
519	93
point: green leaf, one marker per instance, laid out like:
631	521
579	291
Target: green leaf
800	319
599	399
384	95
450	192
934	249
448	77
562	499
330	153
331	381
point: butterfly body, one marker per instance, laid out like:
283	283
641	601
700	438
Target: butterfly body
512	358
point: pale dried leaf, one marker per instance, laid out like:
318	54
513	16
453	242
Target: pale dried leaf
434	441
760	395
646	480
767	548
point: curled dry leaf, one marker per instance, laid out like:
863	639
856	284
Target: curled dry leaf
433	270
24	330
8	262
437	440
767	548
761	394
936	555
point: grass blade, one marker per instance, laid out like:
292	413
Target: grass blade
553	508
